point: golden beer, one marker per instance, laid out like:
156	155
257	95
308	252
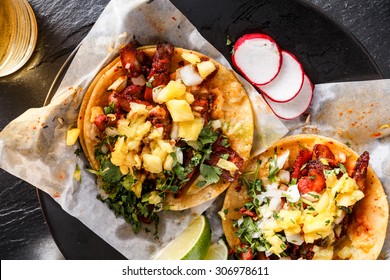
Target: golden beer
18	35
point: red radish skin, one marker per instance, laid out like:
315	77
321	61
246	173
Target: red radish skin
288	82
258	57
297	106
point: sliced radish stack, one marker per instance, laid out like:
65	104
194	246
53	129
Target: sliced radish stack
295	107
258	58
276	73
287	83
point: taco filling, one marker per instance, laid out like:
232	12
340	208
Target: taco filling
157	132
298	204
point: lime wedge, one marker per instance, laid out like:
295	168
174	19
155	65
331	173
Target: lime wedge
217	251
191	244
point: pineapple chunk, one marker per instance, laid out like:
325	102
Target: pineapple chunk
349	199
154	198
190	130
189	97
276	244
317	227
77	173
165	146
132	160
180	110
289	220
137	187
152	163
346	191
173	90
190	57
205	68
95	111
139	109
72	135
156	133
322	253
227	165
119	84
168	163
119	153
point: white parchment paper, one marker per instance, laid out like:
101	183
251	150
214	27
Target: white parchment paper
32	147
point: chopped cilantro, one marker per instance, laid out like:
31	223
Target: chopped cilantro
225	142
228	41
128	181
149	83
78	152
208	135
273	168
313	195
110	109
211	174
336	171
110	173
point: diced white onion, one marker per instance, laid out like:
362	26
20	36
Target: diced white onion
105	149
284	176
339	219
282	159
174	131
216	124
179	155
127	66
342	157
190	75
275	204
295	239
139	81
155	93
311	196
111	131
271	191
292	194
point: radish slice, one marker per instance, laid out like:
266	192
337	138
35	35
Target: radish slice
258	58
288	82
295	107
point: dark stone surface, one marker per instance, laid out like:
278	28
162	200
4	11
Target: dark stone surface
62	24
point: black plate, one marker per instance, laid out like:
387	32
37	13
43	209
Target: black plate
328	52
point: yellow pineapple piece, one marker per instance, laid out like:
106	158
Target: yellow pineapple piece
173	90
72	135
190	57
189	130
205	68
180	110
152	163
119	84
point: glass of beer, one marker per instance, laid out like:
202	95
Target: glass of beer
18	35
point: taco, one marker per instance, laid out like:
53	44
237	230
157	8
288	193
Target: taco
164	128
306	197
